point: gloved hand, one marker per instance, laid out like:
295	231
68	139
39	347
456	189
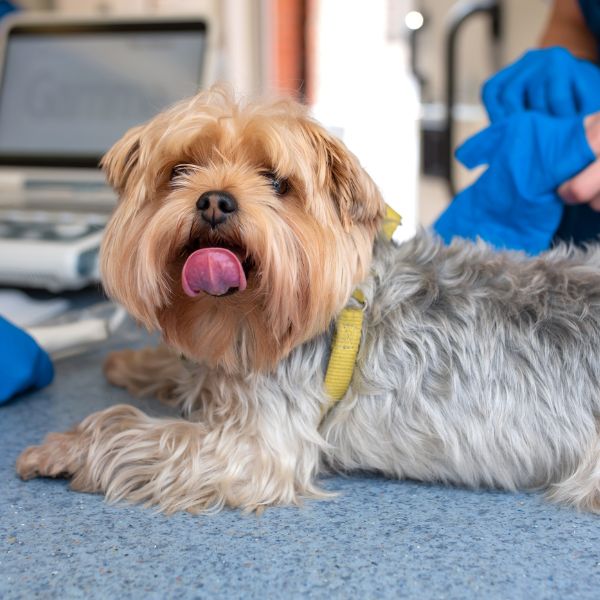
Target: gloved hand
23	364
550	81
514	204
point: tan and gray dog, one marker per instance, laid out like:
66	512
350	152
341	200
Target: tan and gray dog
240	235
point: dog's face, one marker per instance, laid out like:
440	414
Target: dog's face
240	232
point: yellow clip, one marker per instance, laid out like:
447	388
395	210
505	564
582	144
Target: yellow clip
391	222
348	331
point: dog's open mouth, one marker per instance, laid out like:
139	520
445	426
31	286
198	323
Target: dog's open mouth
217	271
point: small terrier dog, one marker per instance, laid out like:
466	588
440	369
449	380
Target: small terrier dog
241	234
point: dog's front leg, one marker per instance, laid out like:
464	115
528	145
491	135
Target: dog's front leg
155	372
243	461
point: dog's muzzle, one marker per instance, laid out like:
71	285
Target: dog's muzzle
213	266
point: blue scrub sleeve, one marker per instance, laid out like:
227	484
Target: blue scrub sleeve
514	204
24	366
550	80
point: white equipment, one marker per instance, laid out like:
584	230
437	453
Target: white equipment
69	88
67	339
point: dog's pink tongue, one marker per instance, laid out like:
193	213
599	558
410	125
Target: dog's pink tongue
212	270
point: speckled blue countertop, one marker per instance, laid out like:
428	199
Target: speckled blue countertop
377	539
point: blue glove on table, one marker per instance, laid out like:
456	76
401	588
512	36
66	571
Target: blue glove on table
23	364
514	203
550	80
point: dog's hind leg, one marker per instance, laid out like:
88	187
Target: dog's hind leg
581	489
146	372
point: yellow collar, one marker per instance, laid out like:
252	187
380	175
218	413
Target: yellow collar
348	331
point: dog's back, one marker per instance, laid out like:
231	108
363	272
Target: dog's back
477	367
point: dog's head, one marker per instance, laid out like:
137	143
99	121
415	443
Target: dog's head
240	232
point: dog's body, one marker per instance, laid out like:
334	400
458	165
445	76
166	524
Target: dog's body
476	367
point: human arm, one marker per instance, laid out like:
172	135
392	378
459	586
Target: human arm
566	27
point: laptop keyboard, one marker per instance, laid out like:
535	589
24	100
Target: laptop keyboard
45	225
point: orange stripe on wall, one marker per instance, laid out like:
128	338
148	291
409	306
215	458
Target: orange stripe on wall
289	52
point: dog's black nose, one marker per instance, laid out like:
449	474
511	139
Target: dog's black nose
216	206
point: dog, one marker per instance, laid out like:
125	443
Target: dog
241	233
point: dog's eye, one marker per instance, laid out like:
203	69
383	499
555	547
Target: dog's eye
180	171
280	185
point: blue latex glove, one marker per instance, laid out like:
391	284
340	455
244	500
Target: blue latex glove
551	81
23	364
514	204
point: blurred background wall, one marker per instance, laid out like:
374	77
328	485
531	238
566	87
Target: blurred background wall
370	73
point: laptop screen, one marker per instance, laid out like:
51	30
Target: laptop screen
68	92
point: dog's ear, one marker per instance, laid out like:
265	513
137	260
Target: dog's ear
121	160
357	197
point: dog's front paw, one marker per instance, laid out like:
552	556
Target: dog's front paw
58	456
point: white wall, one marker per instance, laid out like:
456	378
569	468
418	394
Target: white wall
365	93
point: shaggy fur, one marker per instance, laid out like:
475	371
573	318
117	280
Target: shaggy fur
476	367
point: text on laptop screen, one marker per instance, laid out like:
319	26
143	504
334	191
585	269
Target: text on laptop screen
74	93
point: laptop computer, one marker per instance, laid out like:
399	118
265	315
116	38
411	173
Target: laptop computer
70	88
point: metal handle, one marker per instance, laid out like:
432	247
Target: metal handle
460	14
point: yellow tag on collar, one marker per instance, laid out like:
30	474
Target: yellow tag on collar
346	340
348	331
391	222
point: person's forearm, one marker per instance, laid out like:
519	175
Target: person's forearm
567	28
